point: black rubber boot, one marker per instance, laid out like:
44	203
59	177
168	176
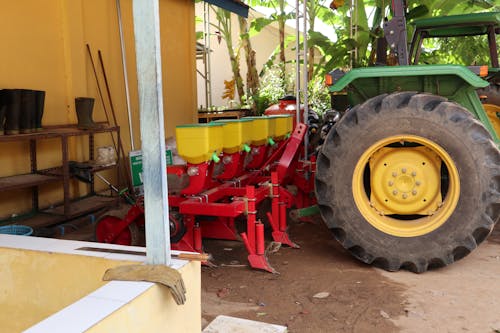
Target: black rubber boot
13	110
39	107
28	106
3	107
84	107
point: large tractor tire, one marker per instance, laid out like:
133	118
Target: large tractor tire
410	181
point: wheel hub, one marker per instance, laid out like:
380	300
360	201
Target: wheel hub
405	181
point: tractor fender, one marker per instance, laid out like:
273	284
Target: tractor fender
409	71
454	82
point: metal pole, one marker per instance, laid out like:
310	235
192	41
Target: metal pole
208	65
149	78
125	75
306	97
126	169
297	60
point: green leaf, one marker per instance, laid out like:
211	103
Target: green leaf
260	23
418	11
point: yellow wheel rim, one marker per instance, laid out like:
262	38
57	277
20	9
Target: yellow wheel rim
406	185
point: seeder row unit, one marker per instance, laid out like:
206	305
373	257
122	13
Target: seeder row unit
232	167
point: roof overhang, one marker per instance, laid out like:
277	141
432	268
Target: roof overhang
234	6
459	25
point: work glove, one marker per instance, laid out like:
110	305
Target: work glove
165	275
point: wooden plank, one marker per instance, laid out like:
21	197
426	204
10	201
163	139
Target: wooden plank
40	220
84	206
26	180
220	114
54	216
56	132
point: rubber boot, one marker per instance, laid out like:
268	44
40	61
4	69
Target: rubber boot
3	107
28	106
13	110
39	107
84	107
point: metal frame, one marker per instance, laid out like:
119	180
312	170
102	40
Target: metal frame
211	212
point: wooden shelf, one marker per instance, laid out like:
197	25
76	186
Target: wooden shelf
69	208
52	216
58	171
83	206
207	116
56	132
39	220
25	181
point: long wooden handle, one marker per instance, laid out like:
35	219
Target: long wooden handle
183	256
192	256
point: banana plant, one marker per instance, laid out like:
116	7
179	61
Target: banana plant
278	16
225	31
252	74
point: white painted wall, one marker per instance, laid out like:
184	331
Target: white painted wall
263	43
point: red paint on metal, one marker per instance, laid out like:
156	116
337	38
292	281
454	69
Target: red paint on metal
209	207
258	156
201	181
234	168
259	238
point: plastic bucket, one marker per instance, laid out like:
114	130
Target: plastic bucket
21	230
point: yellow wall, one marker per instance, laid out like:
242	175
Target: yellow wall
44	48
35	285
156	310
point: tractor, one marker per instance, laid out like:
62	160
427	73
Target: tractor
409	177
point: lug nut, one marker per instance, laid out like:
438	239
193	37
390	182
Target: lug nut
403	170
391	183
413	173
418	183
414	192
405	195
395	192
394	173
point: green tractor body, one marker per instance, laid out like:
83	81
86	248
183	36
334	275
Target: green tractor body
455	82
410	175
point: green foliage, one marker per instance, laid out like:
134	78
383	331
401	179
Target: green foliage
318	96
471	50
337	54
273	86
260	23
199	34
275	82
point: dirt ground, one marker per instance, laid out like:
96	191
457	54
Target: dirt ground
463	297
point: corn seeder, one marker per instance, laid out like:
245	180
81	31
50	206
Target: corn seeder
232	167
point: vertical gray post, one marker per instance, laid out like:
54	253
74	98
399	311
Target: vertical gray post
297	60
306	81
147	48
